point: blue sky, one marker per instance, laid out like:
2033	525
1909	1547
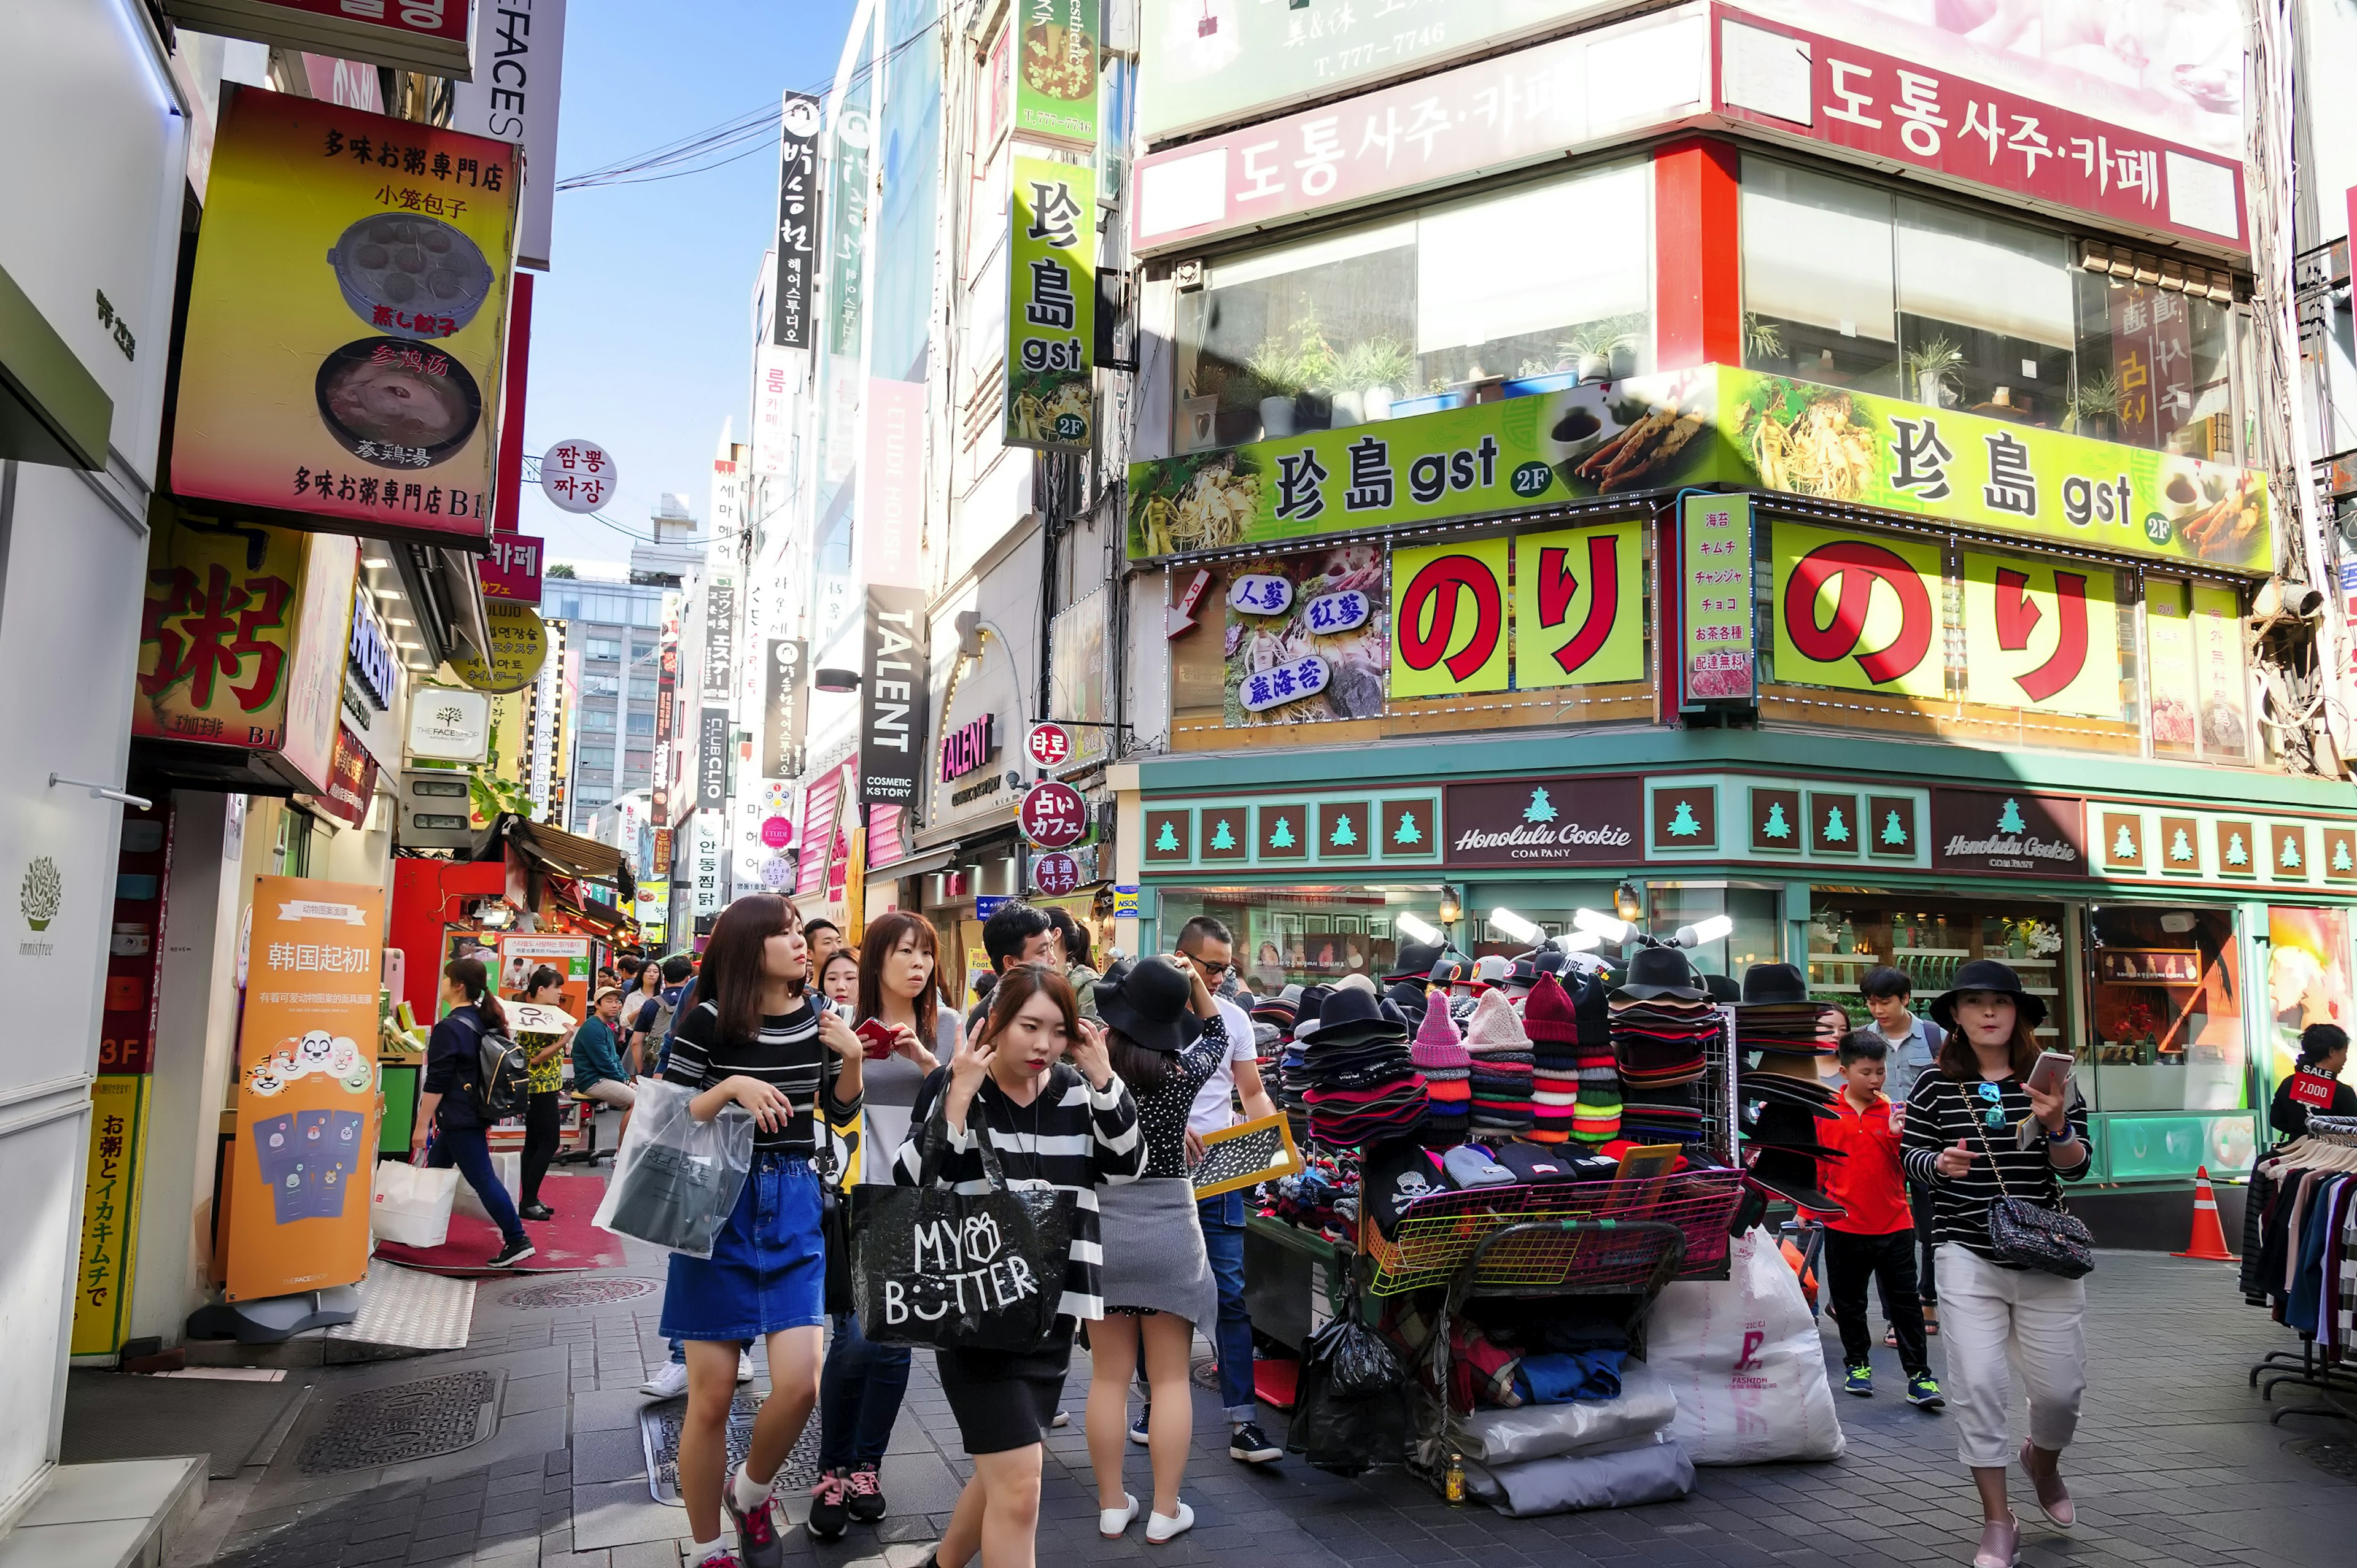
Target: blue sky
639	338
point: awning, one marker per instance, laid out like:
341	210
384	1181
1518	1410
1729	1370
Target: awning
569	854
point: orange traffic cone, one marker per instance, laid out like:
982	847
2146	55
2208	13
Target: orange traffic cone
2208	1242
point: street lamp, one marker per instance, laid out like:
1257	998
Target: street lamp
1703	931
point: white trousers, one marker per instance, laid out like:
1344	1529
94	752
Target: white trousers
1994	1321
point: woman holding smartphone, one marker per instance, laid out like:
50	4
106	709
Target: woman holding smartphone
758	1039
1985	1123
1069	1126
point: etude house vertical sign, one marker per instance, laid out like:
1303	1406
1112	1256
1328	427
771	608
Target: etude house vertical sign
892	697
798	219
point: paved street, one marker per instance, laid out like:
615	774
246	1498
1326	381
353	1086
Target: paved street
2176	1465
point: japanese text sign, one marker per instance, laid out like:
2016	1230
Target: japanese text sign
1451	634
1052	814
509	571
1577	603
1895	112
1051	307
110	1212
1720	662
577	476
1859	612
798	220
346	321
1056	70
2042	635
217	634
519	646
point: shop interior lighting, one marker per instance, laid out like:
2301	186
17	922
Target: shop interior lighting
1625	902
1515	926
1417	929
1602	926
1451	911
1702	931
376	564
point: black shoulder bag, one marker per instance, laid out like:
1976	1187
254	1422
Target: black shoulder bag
2025	1235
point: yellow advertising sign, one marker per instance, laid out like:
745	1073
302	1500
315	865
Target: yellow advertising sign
2042	635
110	1213
1858	612
519	647
1448	634
1579	606
216	636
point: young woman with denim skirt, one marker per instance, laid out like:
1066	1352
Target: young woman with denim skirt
758	1039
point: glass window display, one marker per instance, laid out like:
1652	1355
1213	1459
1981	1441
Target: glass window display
2164	1009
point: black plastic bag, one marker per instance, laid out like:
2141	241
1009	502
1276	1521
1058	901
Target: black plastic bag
980	1271
1351	1410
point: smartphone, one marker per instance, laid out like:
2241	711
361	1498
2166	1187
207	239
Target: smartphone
878	1038
2051	1072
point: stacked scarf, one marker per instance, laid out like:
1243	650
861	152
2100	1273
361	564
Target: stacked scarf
1578	1085
1439	1053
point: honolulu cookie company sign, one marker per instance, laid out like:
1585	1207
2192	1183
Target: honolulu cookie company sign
1545	821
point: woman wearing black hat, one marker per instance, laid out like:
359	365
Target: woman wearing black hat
1975	1130
1164	1036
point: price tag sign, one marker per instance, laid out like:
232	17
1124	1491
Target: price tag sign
578	476
1048	745
1055	874
1053	815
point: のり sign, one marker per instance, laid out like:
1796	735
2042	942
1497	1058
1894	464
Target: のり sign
1857	612
577	476
346	321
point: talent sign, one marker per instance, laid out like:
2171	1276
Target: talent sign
968	748
509	571
798	220
306	1105
2042	635
1051	307
782	708
1055	872
1282	670
519	647
519	63
1717	426
1048	745
577	476
346	321
1577	603
1053	815
1859	612
892	697
1721	663
1056	70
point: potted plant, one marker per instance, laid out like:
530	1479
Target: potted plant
1274	371
1762	339
1932	371
1373	372
1604	349
2094	406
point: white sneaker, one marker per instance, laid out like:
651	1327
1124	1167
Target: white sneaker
1163	1529
1111	1522
744	1365
669	1382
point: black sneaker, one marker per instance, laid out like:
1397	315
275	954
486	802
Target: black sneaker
830	1510
537	1212
1248	1445
865	1488
511	1254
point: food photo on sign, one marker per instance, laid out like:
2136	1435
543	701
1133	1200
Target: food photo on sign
1307	637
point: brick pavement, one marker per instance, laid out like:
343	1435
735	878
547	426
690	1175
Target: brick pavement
2176	1465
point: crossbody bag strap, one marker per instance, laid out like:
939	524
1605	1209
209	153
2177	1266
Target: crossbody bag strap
2053	1179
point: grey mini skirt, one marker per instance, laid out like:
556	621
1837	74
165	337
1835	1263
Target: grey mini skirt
1154	1257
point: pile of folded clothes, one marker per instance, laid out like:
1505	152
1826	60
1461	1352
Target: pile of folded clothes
1439	1053
1358	1082
1576	1082
1785	1095
1662	1019
1502	1063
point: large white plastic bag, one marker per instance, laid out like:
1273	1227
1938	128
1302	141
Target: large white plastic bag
1744	1358
509	1167
664	1147
412	1204
1580	1426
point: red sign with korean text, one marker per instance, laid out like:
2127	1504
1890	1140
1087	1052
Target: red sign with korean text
509	572
1053	815
351	778
1798	85
1049	745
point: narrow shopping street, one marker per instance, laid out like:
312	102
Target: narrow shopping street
2176	1464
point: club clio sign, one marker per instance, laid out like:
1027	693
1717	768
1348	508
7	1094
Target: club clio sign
1544	821
2008	830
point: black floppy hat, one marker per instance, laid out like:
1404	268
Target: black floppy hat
1986	974
1414	961
1790	1177
1150	1005
1766	985
1662	972
1350	1017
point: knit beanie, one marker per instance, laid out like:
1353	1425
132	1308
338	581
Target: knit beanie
1495	1026
1548	1017
1437	1045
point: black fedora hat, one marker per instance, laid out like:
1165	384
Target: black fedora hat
1790	1177
1352	1018
1151	1006
1767	984
1415	961
1986	974
1662	972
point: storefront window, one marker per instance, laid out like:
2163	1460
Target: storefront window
1380	321
2164	1009
2198	669
1930	939
1310	935
1851	284
1755	939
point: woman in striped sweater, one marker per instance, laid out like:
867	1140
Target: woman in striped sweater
1066	1124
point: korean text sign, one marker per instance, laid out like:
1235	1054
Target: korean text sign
1052	306
346	321
511	570
1056	70
798	220
307	1089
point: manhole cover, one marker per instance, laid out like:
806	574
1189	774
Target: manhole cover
580	1293
659	1429
2334	1457
1205	1373
407	1420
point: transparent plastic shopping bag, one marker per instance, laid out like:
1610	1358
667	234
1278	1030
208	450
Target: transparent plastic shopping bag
675	1178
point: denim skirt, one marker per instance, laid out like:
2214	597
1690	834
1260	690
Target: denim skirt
767	1269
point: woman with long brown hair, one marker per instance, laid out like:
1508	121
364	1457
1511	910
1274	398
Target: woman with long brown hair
1066	1125
1977	1129
758	1039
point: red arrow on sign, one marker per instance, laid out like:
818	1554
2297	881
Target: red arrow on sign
1180	616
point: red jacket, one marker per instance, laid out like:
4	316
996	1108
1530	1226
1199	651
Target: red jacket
1870	1182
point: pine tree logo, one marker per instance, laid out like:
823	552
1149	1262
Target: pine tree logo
1408	831
1344	835
1222	837
41	893
1836	829
2288	859
2235	854
1894	831
2009	820
1540	809
1682	822
1167	841
2123	844
2341	861
1281	835
2181	847
1776	827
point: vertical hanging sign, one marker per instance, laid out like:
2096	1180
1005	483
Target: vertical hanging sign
798	220
781	707
1718	661
1056	70
1051	306
892	689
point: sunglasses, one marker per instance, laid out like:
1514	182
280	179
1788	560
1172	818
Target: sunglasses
1993	1105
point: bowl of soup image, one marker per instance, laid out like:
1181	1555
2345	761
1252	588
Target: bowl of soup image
397	402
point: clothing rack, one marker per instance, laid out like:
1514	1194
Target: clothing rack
2326	1361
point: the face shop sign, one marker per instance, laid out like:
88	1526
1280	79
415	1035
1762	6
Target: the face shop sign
968	748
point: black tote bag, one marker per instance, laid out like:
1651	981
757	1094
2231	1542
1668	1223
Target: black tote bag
977	1271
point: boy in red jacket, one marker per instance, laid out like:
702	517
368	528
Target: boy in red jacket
1875	1238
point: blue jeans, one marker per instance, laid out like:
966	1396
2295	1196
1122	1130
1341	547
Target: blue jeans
859	1393
469	1149
1223	1239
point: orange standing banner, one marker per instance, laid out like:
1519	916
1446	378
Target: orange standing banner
306	1097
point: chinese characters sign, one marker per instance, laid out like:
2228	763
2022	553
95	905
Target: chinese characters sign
345	320
1051	306
217	634
1283	667
1056	70
798	220
511	571
1053	815
577	476
1721	663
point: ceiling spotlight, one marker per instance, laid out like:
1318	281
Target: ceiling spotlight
1602	926
1702	931
1417	929
375	563
1513	925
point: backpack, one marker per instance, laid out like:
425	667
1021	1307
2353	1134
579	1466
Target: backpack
502	1078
